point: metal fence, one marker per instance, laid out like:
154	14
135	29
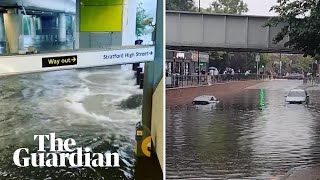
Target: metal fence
199	80
311	80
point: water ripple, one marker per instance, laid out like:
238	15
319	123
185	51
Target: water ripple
243	138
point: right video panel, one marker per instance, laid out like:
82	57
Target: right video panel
242	89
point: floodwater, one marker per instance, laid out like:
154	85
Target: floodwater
98	107
251	135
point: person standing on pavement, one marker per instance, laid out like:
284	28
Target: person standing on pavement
216	75
232	74
211	73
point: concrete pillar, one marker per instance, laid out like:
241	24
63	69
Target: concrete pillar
33	29
77	25
129	26
62	28
2	34
74	28
129	22
14	30
39	23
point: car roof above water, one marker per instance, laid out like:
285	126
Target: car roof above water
297	90
204	98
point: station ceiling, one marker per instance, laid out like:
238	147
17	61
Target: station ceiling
67	6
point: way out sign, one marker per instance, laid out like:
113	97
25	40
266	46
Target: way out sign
257	57
59	61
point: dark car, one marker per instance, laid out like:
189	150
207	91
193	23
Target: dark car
295	76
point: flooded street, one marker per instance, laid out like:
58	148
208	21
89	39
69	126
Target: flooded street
94	106
250	135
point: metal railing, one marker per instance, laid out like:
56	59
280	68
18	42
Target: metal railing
199	80
311	80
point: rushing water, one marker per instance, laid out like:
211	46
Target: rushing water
86	105
251	135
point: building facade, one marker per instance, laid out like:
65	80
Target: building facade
200	61
178	62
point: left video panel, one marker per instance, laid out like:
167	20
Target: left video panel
96	107
75	94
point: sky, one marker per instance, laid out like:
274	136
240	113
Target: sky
149	6
256	7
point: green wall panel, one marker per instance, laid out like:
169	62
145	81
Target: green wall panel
100	2
101	15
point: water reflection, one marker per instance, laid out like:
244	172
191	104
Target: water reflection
250	135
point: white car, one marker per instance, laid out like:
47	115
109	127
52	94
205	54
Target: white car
205	100
297	96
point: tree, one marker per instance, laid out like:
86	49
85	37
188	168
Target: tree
180	5
228	7
304	63
301	19
285	61
141	25
264	59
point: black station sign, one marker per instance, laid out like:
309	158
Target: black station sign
59	61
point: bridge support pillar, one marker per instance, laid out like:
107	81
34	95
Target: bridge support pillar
39	23
33	29
14	30
62	28
2	34
74	35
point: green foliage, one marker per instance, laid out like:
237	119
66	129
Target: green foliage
235	60
264	59
285	61
180	5
301	19
228	7
141	26
216	55
304	63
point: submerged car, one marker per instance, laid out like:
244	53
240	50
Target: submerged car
205	100
297	96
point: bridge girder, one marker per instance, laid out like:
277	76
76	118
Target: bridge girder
221	32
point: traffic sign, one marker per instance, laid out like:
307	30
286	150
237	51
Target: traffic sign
258	58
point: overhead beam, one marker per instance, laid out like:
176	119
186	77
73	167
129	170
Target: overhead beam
204	31
182	47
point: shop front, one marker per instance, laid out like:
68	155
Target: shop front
169	62
178	62
199	61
